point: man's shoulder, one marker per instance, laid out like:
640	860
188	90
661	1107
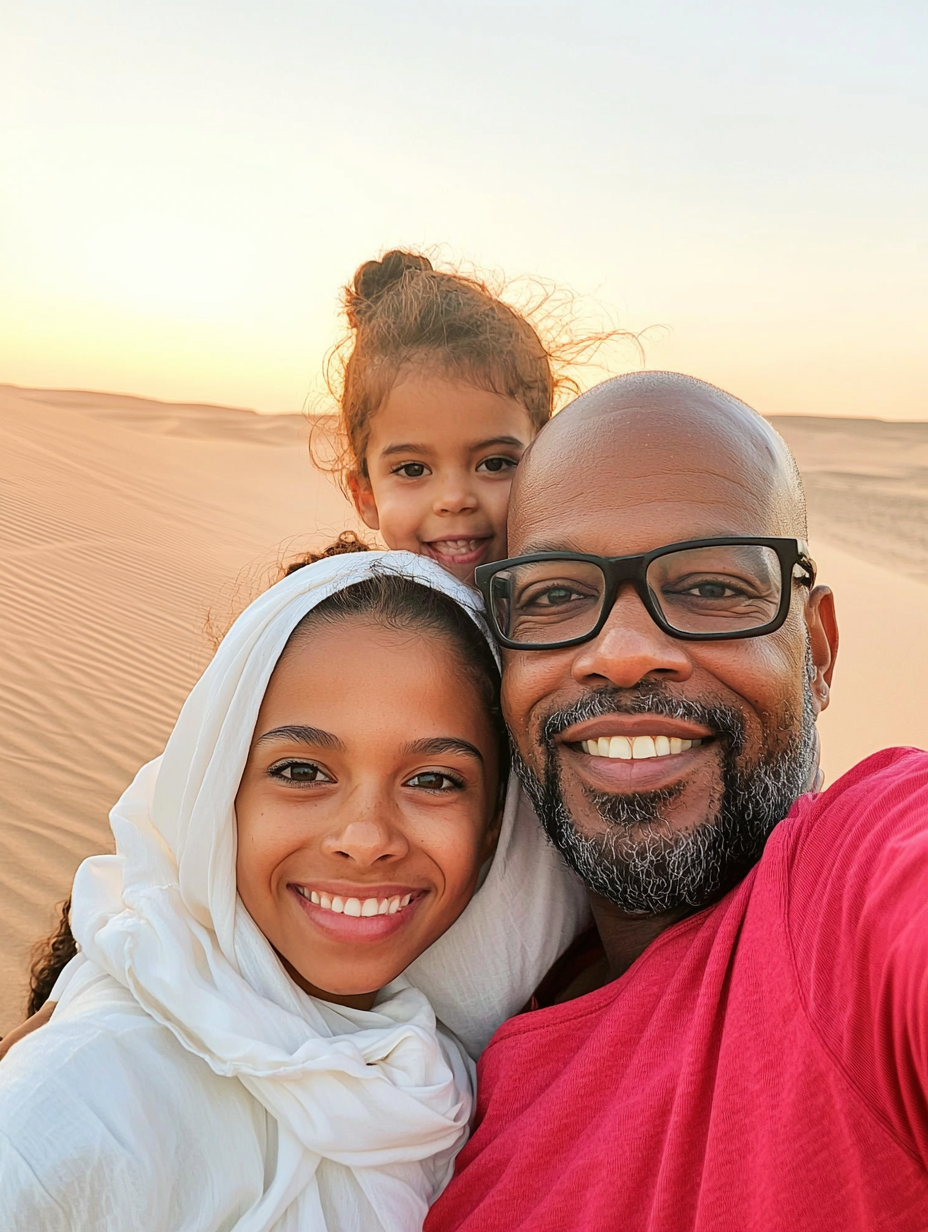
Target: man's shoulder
854	860
882	799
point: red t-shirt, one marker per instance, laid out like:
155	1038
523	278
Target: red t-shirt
762	1067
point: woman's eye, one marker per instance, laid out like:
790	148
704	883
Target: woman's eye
411	470
434	780
299	772
495	465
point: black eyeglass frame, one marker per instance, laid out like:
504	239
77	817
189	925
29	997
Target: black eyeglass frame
620	570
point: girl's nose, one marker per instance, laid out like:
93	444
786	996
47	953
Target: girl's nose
371	837
455	495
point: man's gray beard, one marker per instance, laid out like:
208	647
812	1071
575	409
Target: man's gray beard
641	863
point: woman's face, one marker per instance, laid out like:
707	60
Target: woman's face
367	805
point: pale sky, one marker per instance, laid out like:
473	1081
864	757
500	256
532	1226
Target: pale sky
186	184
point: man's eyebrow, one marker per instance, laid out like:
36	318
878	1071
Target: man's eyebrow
530	549
302	735
444	744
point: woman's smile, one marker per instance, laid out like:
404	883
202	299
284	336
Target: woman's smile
356	914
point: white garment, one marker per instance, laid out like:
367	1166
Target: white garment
182	1047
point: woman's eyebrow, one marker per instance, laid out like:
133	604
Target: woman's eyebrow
302	735
444	744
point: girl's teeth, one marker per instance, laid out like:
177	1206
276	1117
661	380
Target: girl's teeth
357	906
636	748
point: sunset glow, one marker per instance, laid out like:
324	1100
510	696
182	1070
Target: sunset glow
187	186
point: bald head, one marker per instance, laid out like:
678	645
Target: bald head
661	439
640	464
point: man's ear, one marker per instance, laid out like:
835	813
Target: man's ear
362	494
823	641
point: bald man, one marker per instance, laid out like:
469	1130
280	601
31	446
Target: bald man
742	1045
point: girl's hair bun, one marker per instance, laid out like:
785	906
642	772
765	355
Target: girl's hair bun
374	277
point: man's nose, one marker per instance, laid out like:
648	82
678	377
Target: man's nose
629	648
455	494
369	833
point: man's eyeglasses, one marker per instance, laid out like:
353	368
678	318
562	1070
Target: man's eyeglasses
699	590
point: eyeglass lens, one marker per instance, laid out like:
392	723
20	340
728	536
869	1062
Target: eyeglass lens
731	588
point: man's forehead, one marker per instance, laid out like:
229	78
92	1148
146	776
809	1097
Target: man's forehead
641	472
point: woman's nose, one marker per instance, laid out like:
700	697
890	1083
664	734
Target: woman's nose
368	837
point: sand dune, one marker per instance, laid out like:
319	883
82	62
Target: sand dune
124	523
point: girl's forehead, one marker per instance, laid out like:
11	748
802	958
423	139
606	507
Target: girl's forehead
429	409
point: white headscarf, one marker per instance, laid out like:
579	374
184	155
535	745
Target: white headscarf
384	1092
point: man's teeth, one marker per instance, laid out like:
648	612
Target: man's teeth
356	906
635	748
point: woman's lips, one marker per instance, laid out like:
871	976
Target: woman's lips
361	916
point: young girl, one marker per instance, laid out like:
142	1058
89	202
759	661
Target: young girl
441	387
235	1047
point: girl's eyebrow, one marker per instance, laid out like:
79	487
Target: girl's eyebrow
444	744
408	447
499	440
302	735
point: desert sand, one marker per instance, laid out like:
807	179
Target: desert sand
128	526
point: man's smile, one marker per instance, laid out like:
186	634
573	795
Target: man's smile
641	752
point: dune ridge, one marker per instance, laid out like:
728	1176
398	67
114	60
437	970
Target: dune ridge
126	523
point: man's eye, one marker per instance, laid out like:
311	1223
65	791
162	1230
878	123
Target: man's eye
299	772
551	596
433	780
411	470
497	464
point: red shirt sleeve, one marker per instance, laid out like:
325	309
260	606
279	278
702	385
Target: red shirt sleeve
857	919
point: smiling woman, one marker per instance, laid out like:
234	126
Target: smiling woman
370	797
236	1045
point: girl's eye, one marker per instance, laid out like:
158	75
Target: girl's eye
411	470
497	464
435	780
299	772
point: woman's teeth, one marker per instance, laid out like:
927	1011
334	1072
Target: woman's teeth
635	748
356	906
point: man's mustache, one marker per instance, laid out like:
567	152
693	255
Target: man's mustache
650	697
